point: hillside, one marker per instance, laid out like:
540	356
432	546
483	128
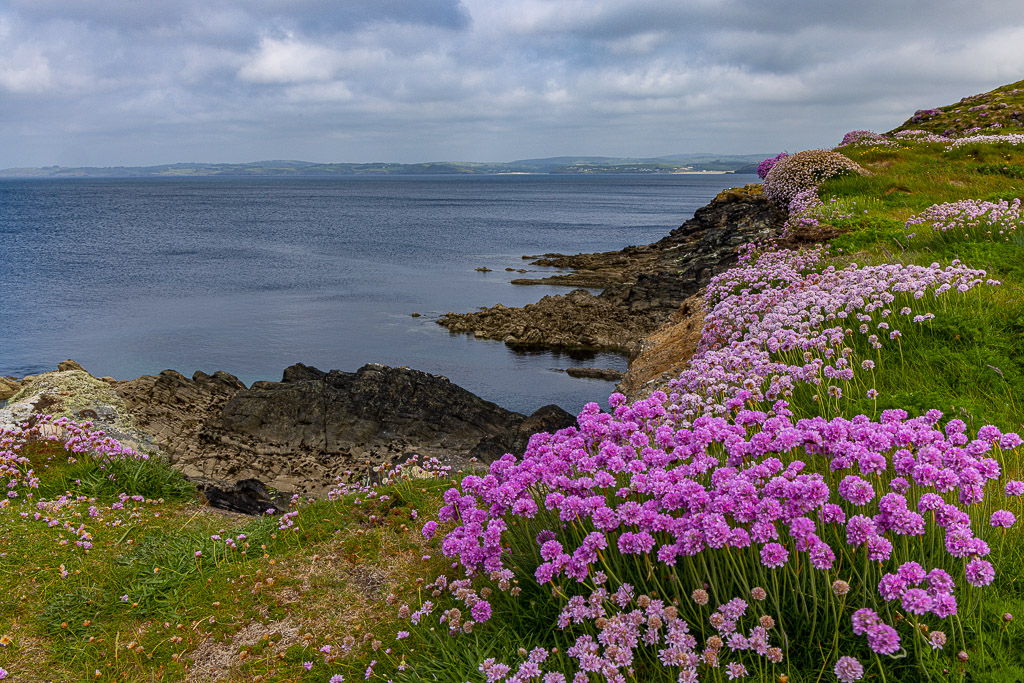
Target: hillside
999	110
829	490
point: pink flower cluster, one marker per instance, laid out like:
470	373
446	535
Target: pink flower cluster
855	137
15	469
704	470
775	322
751	480
920	592
882	638
767	164
625	623
804	171
1009	139
972	218
866	138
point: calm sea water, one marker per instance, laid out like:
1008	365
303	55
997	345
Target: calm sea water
130	277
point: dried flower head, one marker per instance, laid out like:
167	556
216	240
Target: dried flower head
848	670
700	596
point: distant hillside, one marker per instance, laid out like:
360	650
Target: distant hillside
1002	108
679	163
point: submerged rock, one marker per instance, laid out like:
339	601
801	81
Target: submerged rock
607	374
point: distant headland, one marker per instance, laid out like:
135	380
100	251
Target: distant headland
677	163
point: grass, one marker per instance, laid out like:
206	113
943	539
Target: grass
1003	106
142	605
968	361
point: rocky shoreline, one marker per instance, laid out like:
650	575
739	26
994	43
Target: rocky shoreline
297	435
243	445
642	285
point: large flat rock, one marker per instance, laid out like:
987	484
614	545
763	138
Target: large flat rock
301	433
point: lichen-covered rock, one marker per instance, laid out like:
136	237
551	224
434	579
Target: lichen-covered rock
73	393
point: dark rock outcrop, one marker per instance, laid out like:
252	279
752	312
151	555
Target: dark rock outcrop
248	497
549	418
642	285
312	426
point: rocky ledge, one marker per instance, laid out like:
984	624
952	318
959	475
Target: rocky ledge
642	286
296	435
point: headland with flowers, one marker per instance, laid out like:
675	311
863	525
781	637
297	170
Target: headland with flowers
830	491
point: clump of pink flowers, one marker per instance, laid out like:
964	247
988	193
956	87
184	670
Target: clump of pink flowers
972	219
16	472
804	171
765	166
717	485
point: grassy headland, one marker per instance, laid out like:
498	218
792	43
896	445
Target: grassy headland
750	484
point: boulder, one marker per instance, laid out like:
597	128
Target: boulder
9	386
248	497
73	393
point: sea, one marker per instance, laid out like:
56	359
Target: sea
251	275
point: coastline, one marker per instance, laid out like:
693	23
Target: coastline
641	286
219	432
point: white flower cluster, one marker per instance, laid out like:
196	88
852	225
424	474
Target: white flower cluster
1012	139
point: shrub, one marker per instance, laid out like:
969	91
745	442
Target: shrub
804	171
857	136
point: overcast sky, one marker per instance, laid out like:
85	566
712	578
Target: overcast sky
138	82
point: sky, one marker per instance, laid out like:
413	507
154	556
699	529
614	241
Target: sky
145	82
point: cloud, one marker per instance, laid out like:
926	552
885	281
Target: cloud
24	68
410	80
289	61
